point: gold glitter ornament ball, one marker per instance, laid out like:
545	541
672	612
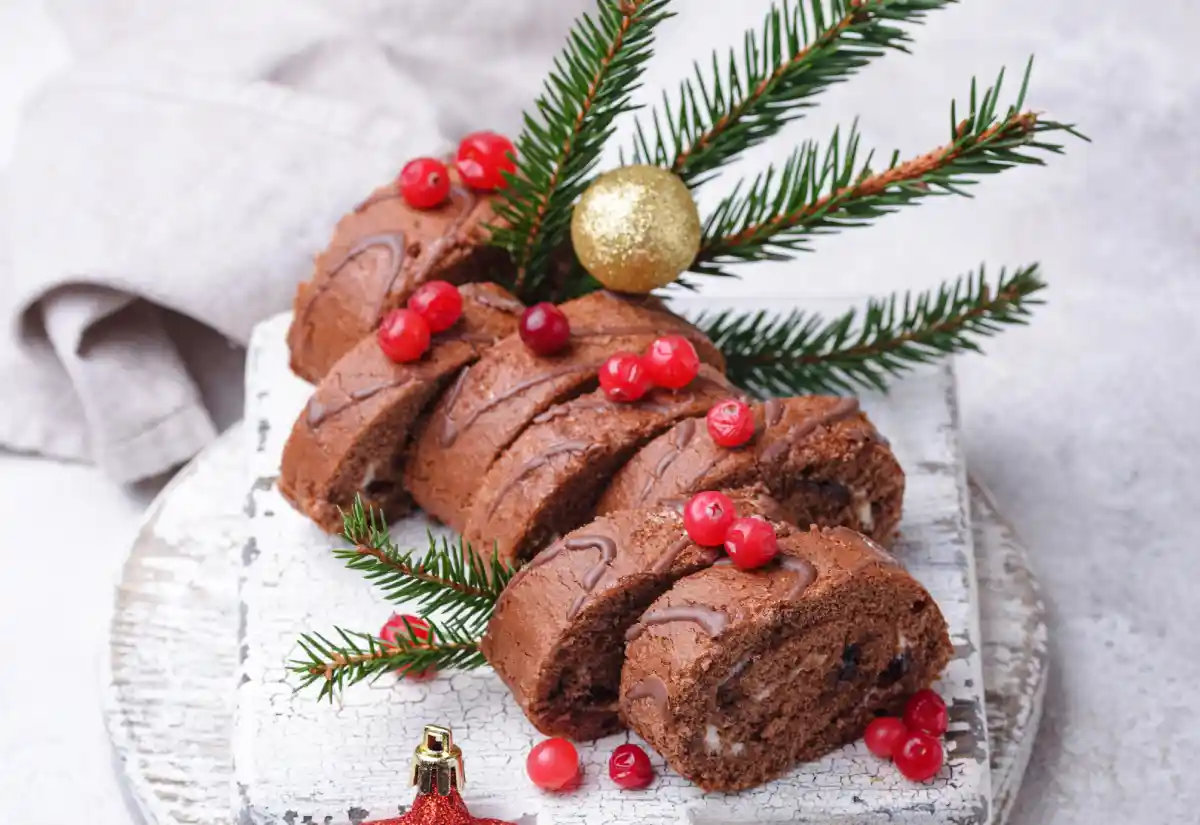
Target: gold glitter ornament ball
636	228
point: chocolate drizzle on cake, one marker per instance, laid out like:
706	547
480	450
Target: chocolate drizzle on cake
317	413
591	578
450	428
664	562
434	253
681	437
772	412
652	688
871	550
570	447
844	408
803	575
710	620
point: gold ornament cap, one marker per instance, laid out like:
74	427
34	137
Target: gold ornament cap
437	765
636	228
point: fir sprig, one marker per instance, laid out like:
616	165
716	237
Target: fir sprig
562	140
359	656
449	579
802	50
822	191
804	353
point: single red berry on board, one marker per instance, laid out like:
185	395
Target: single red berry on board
707	517
751	543
482	159
919	757
671	361
424	183
396	627
553	765
730	422
629	767
403	336
926	712
884	735
544	328
439	303
623	377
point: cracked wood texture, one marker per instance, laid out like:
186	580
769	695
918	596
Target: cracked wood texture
178	602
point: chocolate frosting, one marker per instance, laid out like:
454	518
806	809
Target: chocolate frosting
711	620
652	688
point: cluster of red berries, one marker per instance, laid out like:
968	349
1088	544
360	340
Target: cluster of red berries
913	742
553	765
404	334
670	362
398	627
481	160
710	520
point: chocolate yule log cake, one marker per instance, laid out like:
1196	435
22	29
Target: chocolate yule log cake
548	481
735	676
557	635
379	254
819	456
351	436
494	400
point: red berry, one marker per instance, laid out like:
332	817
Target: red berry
439	303
544	328
425	183
919	757
553	765
884	735
707	518
396	627
482	159
751	543
623	377
926	712
403	336
731	423
630	768
671	361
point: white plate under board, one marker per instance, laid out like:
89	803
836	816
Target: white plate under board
175	648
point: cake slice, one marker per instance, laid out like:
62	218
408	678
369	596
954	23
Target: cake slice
548	481
497	398
379	254
735	676
557	635
819	456
351	437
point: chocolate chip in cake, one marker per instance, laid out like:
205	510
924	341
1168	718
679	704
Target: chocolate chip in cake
851	655
896	670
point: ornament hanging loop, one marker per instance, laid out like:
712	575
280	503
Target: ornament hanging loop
437	765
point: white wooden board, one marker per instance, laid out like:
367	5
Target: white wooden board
171	727
346	761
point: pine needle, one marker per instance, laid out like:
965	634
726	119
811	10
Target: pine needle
802	352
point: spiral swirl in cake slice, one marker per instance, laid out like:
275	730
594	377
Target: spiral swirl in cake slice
735	676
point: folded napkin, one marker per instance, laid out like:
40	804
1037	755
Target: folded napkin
193	158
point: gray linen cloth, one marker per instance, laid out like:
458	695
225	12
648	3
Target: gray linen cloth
193	158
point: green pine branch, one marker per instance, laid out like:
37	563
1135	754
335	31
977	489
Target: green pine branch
803	49
823	191
565	134
448	579
805	353
360	657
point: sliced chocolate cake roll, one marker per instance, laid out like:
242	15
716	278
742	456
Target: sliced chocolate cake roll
548	481
735	676
352	435
496	399
557	636
379	254
819	456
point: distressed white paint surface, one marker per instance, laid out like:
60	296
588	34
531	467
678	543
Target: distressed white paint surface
178	603
347	760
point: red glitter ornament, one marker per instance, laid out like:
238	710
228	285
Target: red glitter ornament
437	773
